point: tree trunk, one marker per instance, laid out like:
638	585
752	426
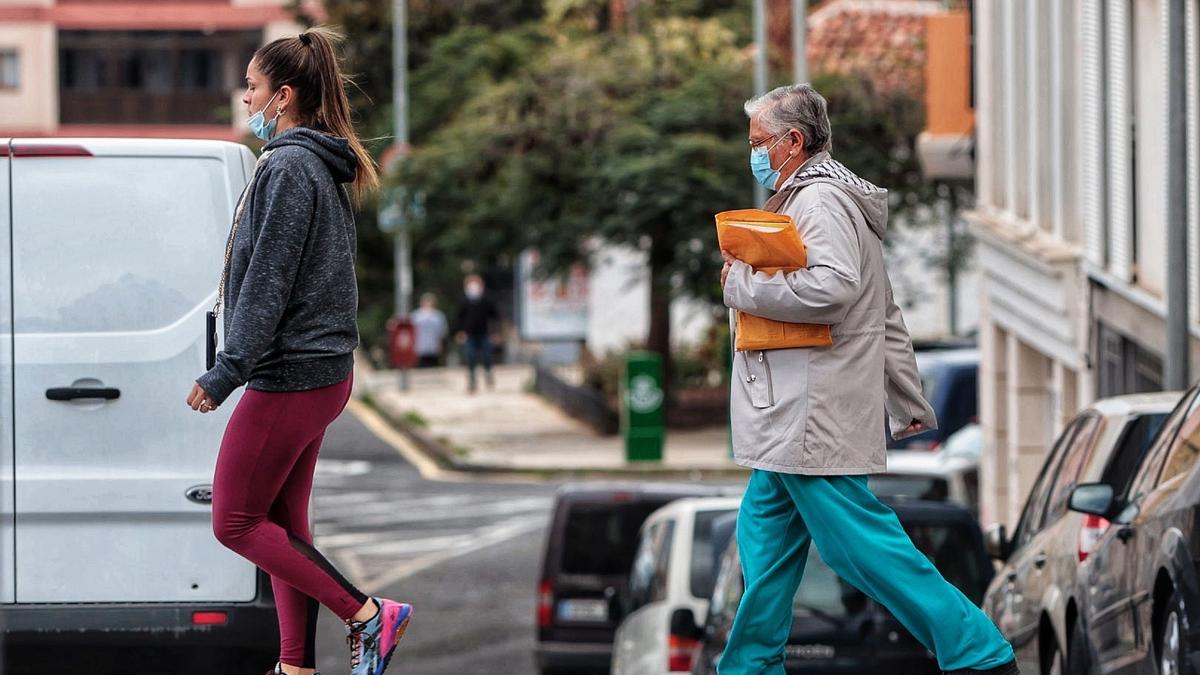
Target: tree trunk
659	339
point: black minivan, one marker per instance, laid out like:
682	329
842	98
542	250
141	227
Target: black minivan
590	546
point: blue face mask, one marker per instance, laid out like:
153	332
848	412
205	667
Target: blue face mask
760	166
262	129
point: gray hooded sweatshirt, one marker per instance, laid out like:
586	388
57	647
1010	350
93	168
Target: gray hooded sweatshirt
820	410
292	296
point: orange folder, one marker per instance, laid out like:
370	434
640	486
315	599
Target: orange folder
769	243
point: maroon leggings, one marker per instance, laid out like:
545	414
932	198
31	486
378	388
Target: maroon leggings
263	481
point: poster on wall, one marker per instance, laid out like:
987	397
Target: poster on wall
554	308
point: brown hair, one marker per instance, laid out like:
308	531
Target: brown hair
309	64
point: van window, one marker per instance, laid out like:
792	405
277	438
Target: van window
111	244
702	552
648	578
601	538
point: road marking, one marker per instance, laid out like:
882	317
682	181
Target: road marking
496	536
384	431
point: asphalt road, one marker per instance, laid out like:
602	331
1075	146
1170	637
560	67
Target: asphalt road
465	554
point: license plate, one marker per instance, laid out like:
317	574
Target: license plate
583	610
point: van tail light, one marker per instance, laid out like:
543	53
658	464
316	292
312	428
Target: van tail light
209	618
680	653
1089	533
545	607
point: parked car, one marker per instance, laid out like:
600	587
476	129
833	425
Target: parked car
949	379
589	552
669	588
1036	596
105	476
930	476
836	629
1142	611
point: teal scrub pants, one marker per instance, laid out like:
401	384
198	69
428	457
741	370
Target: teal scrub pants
863	542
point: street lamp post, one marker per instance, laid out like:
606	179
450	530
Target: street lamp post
799	41
1177	364
760	71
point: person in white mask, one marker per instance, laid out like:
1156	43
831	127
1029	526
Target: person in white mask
476	316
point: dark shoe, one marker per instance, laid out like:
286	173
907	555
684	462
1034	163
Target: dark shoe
1009	668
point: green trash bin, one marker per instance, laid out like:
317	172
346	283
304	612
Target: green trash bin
643	407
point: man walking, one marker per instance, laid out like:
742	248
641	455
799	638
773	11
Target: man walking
476	315
807	421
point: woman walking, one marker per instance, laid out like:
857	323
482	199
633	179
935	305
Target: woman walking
291	299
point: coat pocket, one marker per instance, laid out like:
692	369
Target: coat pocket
755	376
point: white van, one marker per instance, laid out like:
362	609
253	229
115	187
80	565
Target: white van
110	252
669	588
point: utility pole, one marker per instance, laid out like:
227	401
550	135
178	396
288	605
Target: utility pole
404	282
1177	366
760	72
402	222
799	41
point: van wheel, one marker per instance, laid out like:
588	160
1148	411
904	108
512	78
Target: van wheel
1172	648
1079	655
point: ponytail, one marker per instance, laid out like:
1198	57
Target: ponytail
309	63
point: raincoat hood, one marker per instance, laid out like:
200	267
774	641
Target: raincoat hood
334	151
871	199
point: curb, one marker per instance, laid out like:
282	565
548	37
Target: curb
447	466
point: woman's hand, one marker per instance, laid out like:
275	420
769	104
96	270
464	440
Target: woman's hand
199	400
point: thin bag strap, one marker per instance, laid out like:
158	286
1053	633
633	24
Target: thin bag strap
237	219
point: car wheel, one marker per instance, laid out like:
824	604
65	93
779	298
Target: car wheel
1079	655
1172	648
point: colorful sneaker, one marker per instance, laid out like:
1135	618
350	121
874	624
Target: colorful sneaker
373	641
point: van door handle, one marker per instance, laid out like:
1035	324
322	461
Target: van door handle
72	393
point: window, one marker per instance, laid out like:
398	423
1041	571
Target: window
601	538
648	578
702	552
1130	451
1031	515
1076	457
1125	367
1186	448
10	69
1149	469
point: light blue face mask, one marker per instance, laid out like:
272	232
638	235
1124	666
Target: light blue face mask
262	129
760	166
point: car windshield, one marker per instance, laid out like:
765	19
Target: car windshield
949	546
929	488
602	538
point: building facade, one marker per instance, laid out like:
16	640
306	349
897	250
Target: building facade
1071	154
130	67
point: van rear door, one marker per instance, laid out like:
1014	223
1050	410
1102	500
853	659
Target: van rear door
117	247
8	565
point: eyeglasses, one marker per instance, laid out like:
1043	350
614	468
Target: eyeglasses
755	145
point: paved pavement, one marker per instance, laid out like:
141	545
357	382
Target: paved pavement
510	428
466	554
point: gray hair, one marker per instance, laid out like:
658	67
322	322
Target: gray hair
795	106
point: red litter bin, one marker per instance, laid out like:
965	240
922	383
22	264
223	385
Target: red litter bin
402	342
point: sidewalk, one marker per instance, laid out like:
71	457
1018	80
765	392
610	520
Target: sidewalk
512	429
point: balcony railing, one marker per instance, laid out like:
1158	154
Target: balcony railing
112	105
